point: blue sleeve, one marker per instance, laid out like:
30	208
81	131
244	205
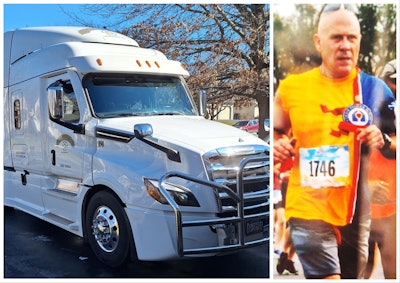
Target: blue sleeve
379	98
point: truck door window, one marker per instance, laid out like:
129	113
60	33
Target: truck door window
71	109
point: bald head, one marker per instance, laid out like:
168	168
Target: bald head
338	42
342	15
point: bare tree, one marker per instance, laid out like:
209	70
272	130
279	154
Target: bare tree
225	47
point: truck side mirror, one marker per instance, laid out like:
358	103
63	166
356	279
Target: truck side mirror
143	130
55	99
202	102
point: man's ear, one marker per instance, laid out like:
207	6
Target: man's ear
317	41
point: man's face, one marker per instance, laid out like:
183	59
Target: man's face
338	41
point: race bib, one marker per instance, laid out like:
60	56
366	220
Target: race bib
324	166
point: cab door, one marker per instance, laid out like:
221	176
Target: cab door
65	136
65	149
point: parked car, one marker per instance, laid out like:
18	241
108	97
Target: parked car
266	125
250	126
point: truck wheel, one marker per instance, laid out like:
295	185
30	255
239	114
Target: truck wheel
107	229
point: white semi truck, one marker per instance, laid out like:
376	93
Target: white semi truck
102	139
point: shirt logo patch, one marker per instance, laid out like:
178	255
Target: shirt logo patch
358	115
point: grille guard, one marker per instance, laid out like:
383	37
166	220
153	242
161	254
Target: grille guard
240	218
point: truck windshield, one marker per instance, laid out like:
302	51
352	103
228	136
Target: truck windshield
117	95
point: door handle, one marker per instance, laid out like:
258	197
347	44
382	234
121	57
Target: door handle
53	157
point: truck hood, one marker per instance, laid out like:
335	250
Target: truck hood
191	132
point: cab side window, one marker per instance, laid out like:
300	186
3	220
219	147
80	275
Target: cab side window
71	109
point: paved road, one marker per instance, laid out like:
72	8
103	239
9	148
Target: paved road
36	249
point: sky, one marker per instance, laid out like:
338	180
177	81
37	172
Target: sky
31	15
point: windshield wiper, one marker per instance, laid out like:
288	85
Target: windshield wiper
170	113
113	115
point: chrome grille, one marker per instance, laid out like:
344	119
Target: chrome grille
223	166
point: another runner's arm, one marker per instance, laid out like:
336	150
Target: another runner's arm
388	126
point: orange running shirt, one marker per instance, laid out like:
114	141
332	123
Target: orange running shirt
324	175
383	169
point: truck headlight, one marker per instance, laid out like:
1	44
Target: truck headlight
182	196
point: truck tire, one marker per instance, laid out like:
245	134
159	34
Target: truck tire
107	229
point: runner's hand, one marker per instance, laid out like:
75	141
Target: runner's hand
370	136
283	149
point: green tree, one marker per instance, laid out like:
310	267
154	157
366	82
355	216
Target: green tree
378	43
